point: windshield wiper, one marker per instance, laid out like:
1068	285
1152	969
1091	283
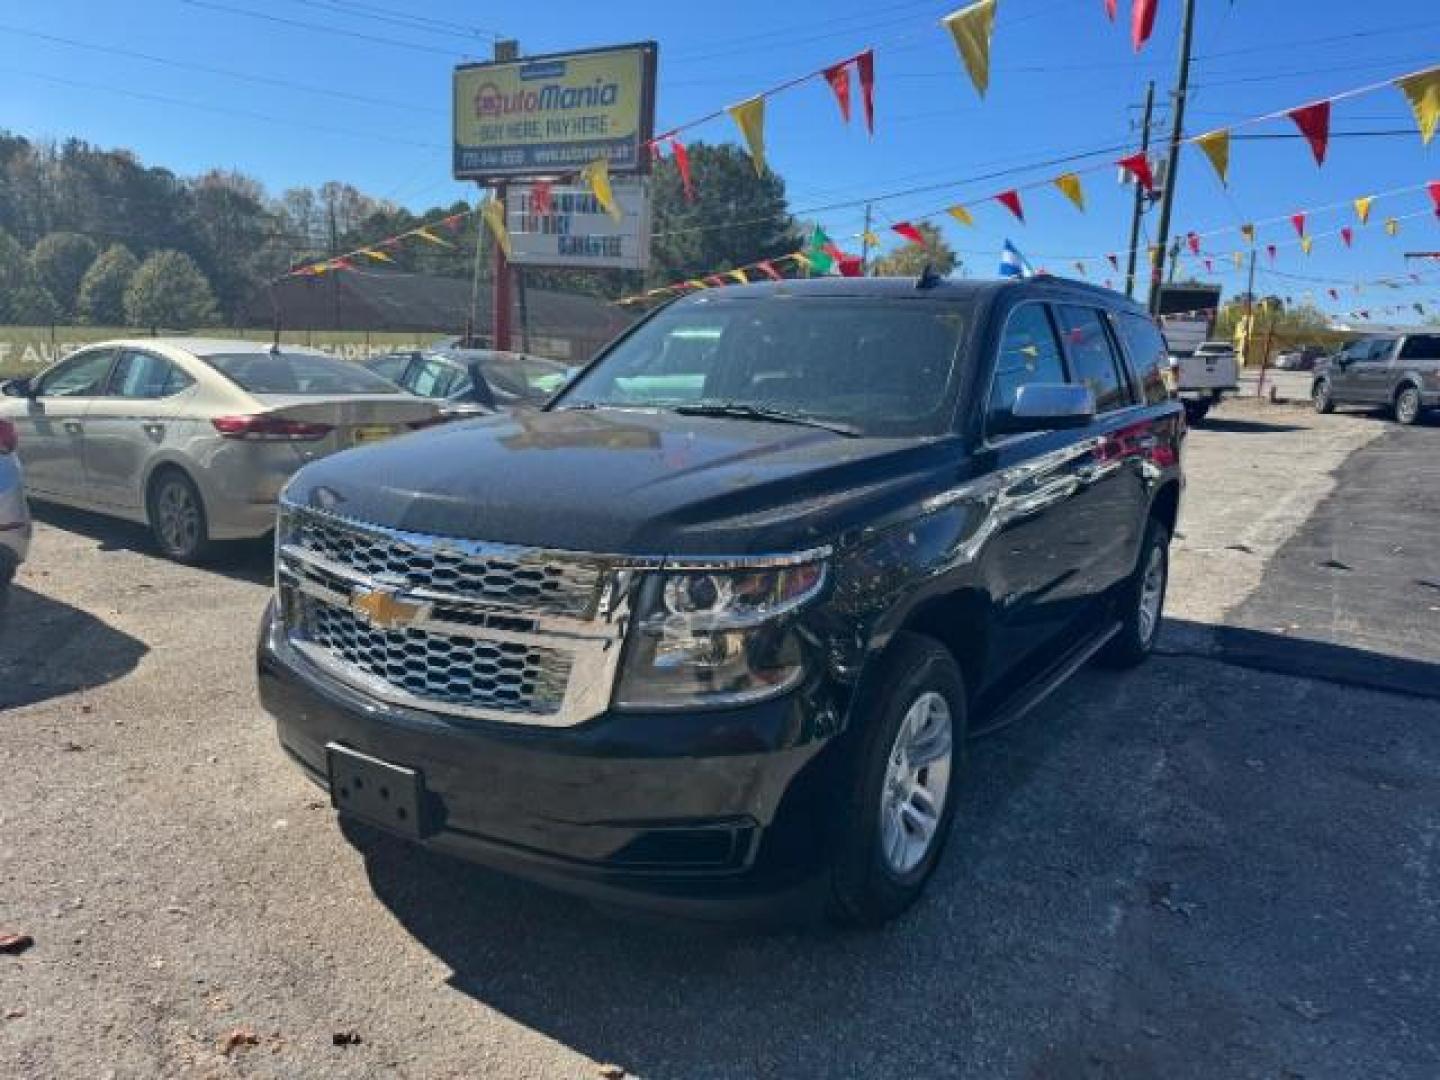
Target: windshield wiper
740	411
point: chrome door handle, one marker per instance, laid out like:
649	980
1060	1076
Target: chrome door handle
153	428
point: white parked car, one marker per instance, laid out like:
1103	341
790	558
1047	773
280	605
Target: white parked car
194	437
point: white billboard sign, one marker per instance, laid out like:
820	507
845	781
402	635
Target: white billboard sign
574	231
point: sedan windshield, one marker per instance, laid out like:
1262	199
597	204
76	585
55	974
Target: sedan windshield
297	373
874	367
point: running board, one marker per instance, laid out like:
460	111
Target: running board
1047	684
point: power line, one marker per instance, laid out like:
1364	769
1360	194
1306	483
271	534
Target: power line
422	23
324	28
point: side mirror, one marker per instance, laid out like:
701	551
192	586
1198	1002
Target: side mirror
17	388
1049	407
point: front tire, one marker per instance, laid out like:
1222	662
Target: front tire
1320	395
899	803
1407	406
177	517
1141	603
1195	411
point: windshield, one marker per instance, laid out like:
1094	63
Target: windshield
530	379
297	373
881	367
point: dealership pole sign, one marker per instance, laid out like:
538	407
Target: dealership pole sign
551	115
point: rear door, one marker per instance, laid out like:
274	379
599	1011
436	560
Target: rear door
126	426
52	424
1373	374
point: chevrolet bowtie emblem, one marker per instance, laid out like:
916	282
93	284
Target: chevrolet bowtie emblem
384	609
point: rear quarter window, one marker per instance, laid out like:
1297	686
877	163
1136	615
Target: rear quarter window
1421	347
1145	346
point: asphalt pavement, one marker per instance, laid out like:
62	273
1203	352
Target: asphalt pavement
1223	864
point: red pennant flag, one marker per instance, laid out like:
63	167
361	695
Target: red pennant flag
909	232
865	66
1314	123
1011	201
768	269
1138	166
682	162
1434	188
1110	9
453	222
1270	250
1298	220
833	250
714	279
540	197
341	264
1142	21
1209	266
391	244
1114	262
1347	234
849	266
838	76
1193	241
1334	293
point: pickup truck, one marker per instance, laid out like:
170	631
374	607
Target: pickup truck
712	629
1203	377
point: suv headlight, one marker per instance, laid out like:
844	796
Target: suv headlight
721	637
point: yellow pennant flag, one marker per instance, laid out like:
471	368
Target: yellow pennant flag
596	176
1306	243
749	116
1216	145
425	234
870	238
960	214
1238	259
696	283
801	260
1362	208
493	211
1248	232
1423	93
739	276
1392	226
1069	185
378	256
971	27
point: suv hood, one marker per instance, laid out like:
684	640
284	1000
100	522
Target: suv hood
629	482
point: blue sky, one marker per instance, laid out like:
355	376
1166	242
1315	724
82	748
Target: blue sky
1064	81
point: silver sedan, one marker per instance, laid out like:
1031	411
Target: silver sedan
14	514
194	437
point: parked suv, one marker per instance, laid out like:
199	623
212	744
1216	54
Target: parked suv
1400	372
718	621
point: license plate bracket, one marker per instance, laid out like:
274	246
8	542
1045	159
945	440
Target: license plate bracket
375	791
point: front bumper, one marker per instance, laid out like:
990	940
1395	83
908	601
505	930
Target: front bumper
702	814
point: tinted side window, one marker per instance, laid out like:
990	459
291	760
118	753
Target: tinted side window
1092	357
390	367
144	375
1421	347
1028	353
433	379
1148	355
79	376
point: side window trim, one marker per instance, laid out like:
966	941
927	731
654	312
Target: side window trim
990	438
1128	365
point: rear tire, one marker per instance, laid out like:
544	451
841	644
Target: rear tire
1320	395
1195	411
177	517
1407	406
1141	603
890	833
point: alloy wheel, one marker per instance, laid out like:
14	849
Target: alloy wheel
917	782
177	517
1152	594
1407	405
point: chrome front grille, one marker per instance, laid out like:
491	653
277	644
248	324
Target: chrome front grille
471	629
484	572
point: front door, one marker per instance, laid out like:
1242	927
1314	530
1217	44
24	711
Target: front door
1373	373
126	426
52	424
1348	382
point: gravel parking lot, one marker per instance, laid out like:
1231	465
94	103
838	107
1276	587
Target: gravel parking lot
1224	864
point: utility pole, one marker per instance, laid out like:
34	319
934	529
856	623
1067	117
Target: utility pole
1139	193
1249	311
865	245
499	265
1172	170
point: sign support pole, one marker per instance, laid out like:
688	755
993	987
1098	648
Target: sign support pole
500	295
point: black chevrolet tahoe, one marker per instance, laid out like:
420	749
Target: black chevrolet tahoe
713	627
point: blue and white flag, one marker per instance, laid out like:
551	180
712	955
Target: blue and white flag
1013	264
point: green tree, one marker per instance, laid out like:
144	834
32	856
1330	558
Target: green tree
59	262
32	305
736	217
169	290
102	289
911	260
14	270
